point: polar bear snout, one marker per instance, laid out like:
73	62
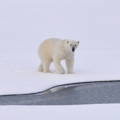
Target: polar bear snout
73	49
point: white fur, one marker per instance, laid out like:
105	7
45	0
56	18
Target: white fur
54	50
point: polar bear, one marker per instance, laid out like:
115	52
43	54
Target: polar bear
54	50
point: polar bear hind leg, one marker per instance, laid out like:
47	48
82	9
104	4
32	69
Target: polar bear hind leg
44	67
40	68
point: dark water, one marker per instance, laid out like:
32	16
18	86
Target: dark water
81	93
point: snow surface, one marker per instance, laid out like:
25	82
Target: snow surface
24	24
90	66
77	112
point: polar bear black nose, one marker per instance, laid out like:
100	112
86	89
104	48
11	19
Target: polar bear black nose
73	49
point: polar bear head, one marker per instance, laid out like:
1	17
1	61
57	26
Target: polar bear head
71	45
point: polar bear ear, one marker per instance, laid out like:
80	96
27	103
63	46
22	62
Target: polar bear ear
78	42
67	42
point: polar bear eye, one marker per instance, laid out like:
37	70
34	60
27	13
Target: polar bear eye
67	42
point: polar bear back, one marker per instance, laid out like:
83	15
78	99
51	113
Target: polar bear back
50	47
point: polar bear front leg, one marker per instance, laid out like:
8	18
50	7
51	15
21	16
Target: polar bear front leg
69	65
58	66
40	68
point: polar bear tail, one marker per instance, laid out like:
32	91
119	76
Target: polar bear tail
40	68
